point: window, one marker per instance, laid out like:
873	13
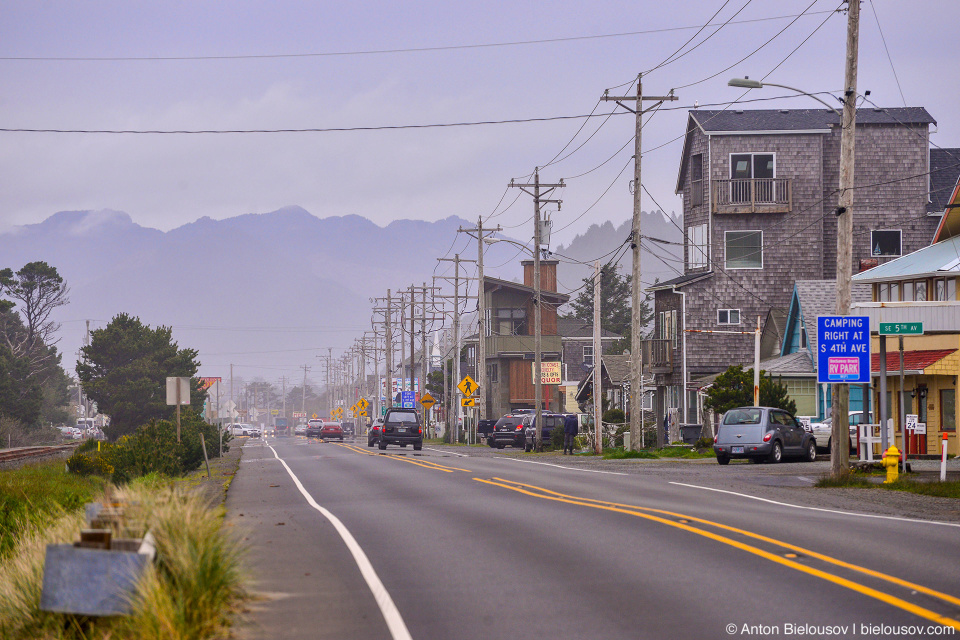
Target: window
744	249
728	316
511	322
697	246
908	291
588	355
696	179
885	242
948	410
920	291
804	392
745	167
803	338
945	289
674	333
493	372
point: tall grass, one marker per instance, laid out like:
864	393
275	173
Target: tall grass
188	594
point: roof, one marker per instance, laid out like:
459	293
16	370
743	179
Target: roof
944	175
912	360
688	278
760	121
937	259
617	367
579	328
763	120
548	296
819	298
791	364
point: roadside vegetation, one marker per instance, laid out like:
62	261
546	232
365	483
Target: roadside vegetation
656	454
860	480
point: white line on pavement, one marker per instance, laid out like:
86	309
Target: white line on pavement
391	615
558	466
797	506
462	455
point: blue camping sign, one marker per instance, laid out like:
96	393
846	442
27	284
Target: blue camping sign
843	349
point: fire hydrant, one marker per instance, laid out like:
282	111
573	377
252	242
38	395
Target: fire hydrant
891	460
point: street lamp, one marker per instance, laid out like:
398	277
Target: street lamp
841	392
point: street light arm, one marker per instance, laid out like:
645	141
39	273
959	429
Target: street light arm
519	244
747	83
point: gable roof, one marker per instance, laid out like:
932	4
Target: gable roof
761	121
551	297
579	328
938	259
944	176
812	298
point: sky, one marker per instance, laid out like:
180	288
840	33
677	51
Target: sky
321	65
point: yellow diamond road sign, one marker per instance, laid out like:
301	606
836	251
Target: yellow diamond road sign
468	402
363	404
427	401
467	386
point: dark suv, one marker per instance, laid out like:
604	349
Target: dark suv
551	421
762	433
485	428
402	427
508	431
349	429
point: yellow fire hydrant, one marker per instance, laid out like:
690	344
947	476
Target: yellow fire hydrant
891	460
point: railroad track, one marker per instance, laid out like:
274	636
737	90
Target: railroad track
32	452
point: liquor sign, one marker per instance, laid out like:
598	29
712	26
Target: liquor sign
549	373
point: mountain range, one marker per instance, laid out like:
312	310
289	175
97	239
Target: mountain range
269	292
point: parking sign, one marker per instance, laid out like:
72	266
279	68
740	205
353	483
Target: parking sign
843	349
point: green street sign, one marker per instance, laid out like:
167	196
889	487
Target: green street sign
901	328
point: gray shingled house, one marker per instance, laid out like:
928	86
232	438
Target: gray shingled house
759	192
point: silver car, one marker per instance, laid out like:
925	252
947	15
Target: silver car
762	433
822	431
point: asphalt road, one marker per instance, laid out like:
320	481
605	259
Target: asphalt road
349	542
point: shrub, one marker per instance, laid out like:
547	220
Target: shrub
89	464
613	416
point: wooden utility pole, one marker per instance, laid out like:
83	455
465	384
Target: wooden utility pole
389	348
636	331
482	313
537	327
840	437
303	390
597	365
456	409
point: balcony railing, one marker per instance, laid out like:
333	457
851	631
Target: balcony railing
657	356
755	195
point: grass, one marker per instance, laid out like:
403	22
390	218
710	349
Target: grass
655	454
622	454
856	480
190	592
37	494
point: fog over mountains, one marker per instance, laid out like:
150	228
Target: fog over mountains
269	292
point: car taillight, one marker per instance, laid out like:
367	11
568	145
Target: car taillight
767	437
715	438
519	426
420	431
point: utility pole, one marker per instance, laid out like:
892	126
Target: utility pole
636	331
232	397
389	348
482	312
839	453
457	278
303	390
537	327
597	365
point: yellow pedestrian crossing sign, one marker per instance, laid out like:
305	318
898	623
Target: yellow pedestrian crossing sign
467	386
363	404
427	401
468	402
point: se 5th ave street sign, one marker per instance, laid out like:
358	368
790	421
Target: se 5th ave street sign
843	349
901	328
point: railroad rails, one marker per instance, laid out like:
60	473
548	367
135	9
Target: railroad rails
32	452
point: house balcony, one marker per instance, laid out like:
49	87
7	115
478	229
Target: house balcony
756	195
521	346
657	356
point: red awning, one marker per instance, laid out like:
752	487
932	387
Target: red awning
912	360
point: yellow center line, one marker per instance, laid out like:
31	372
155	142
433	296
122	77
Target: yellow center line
426	464
813	554
636	511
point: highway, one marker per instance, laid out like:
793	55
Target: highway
452	542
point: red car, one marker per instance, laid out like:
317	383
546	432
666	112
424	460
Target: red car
331	430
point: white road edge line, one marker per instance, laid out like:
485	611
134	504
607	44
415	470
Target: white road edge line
462	455
391	615
797	506
558	466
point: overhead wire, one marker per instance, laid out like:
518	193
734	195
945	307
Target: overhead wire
887	49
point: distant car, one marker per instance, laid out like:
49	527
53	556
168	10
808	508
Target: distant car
373	435
300	429
402	427
762	433
823	431
314	427
244	429
550	422
509	431
331	430
485	428
349	428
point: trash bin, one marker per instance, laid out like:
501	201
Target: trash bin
690	433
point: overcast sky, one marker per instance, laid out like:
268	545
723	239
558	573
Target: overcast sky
164	181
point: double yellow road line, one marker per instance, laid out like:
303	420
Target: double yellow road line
788	559
420	462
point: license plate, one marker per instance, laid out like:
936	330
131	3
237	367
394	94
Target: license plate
402	430
736	449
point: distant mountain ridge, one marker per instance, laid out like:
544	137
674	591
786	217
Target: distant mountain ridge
267	292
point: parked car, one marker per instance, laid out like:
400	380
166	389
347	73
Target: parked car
822	431
485	428
331	430
314	427
762	433
402	427
349	428
244	429
550	421
300	429
373	435
508	431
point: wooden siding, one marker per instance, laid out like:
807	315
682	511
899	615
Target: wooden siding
522	389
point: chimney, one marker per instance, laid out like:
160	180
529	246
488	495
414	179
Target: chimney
548	274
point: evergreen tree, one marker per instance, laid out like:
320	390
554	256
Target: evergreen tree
615	305
734	388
